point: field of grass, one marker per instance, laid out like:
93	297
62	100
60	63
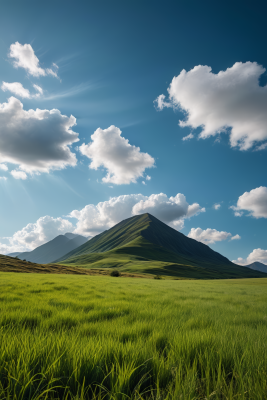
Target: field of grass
100	337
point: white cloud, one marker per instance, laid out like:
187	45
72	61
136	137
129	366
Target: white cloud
257	255
35	234
143	182
216	206
17	89
255	202
209	236
38	88
3	178
124	163
35	140
188	137
148	178
18	174
230	101
160	102
3	167
171	210
236	237
24	57
93	219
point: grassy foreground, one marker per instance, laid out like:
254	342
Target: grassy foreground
89	337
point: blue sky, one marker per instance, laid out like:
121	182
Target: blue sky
112	61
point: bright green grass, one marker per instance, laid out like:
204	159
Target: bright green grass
85	337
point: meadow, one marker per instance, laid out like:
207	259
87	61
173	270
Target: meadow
101	337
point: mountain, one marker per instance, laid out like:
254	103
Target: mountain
53	249
14	254
144	244
257	266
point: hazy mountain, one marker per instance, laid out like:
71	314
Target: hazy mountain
14	254
53	249
145	244
257	266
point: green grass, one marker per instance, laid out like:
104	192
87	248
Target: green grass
87	337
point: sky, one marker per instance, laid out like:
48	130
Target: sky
114	109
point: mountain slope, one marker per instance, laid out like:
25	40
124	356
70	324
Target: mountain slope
257	266
145	244
53	249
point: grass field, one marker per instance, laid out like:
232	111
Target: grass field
94	337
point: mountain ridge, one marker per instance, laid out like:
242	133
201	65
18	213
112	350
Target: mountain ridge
143	243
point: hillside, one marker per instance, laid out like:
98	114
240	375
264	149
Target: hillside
146	245
53	249
257	266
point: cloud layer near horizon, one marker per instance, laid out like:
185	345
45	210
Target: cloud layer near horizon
35	140
94	219
230	101
124	163
256	255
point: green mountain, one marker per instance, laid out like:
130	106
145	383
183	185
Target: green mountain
143	244
55	248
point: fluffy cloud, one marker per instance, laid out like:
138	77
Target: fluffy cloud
3	167
35	140
236	237
95	219
216	206
209	236
17	174
255	202
230	101
24	57
3	178
18	89
124	163
257	255
171	210
36	234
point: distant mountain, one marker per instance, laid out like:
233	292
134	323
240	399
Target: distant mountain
146	245
14	254
53	249
257	266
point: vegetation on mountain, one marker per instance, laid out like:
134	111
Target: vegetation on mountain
143	244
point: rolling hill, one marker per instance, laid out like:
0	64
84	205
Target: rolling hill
143	244
53	249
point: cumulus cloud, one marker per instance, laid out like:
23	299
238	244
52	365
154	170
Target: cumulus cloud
17	174
257	255
93	219
230	101
3	178
216	206
24	57
209	236
18	89
148	178
35	234
124	163
236	237
35	140
255	202
3	167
